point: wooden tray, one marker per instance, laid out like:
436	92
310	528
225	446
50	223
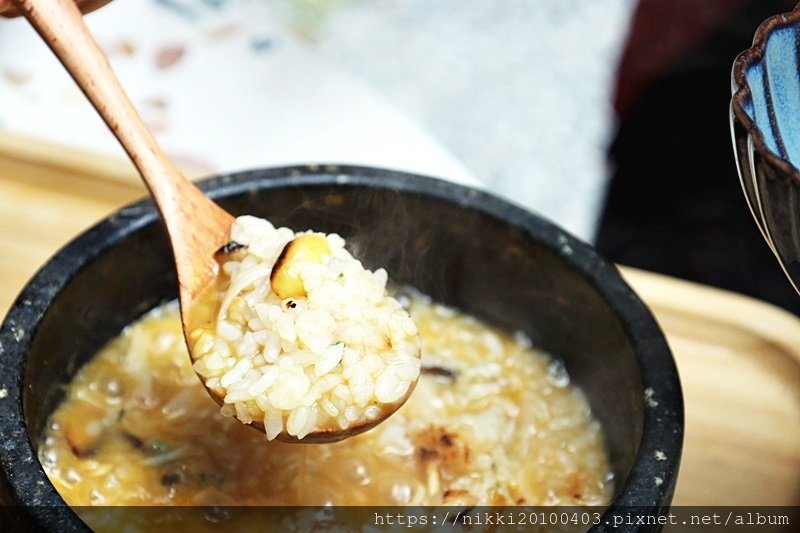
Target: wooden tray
739	364
739	359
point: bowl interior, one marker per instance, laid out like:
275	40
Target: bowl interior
766	133
774	81
464	258
462	247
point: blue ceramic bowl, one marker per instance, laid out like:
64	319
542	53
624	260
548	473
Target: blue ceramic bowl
765	127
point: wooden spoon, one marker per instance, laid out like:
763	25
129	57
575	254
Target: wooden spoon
197	227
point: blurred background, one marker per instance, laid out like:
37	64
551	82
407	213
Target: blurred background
609	117
675	204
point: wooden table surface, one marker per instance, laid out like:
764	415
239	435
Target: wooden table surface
739	359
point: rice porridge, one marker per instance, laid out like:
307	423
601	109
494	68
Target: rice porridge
296	336
492	421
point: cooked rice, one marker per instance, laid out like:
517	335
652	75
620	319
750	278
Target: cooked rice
341	355
491	422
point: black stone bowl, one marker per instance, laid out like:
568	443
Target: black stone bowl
463	247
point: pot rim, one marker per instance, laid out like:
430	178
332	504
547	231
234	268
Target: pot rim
654	471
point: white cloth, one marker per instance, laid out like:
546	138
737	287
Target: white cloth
519	90
514	95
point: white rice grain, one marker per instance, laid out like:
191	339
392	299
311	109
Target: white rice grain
351	414
332	357
297	420
329	408
263	383
228	331
235	373
273	423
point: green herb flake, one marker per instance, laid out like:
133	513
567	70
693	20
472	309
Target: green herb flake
159	446
211	479
121	415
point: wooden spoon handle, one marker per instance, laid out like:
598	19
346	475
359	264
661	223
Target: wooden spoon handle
60	24
197	226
